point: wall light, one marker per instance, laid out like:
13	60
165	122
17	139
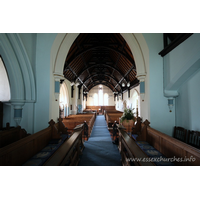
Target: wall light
170	104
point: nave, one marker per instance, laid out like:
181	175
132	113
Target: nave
99	149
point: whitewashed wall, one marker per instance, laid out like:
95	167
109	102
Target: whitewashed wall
95	90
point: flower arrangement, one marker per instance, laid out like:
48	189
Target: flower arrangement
128	115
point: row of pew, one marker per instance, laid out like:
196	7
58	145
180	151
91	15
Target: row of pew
11	134
60	143
73	120
190	137
147	146
98	109
111	116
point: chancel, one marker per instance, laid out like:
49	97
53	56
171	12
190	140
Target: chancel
62	98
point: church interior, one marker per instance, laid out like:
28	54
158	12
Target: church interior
92	94
63	97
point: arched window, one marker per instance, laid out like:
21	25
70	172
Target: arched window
63	101
4	83
100	95
105	99
95	99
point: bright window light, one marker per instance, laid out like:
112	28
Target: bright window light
4	83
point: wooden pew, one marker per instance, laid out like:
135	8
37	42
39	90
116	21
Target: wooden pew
96	109
19	152
71	124
74	120
131	154
11	135
112	117
182	153
180	133
193	138
99	108
110	111
107	108
70	151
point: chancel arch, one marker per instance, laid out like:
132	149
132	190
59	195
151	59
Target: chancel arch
138	47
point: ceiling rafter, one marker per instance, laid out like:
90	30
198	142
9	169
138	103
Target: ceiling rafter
82	59
107	75
125	75
77	76
100	58
122	47
95	83
93	66
102	46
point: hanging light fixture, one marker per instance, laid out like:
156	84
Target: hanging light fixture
128	84
123	84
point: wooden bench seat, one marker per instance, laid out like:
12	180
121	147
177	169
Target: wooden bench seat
182	153
73	120
17	153
112	117
193	138
71	124
180	133
11	135
41	157
69	153
65	152
131	153
99	109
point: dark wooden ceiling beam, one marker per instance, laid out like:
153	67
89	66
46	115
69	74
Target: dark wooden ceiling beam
100	49
96	65
101	46
125	75
122	47
179	39
77	77
82	59
107	75
95	83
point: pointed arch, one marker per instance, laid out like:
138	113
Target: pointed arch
138	47
136	43
22	82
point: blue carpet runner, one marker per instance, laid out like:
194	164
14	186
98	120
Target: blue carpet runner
99	149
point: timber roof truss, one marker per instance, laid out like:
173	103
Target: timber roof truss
101	58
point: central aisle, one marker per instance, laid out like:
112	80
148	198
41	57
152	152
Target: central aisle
99	149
